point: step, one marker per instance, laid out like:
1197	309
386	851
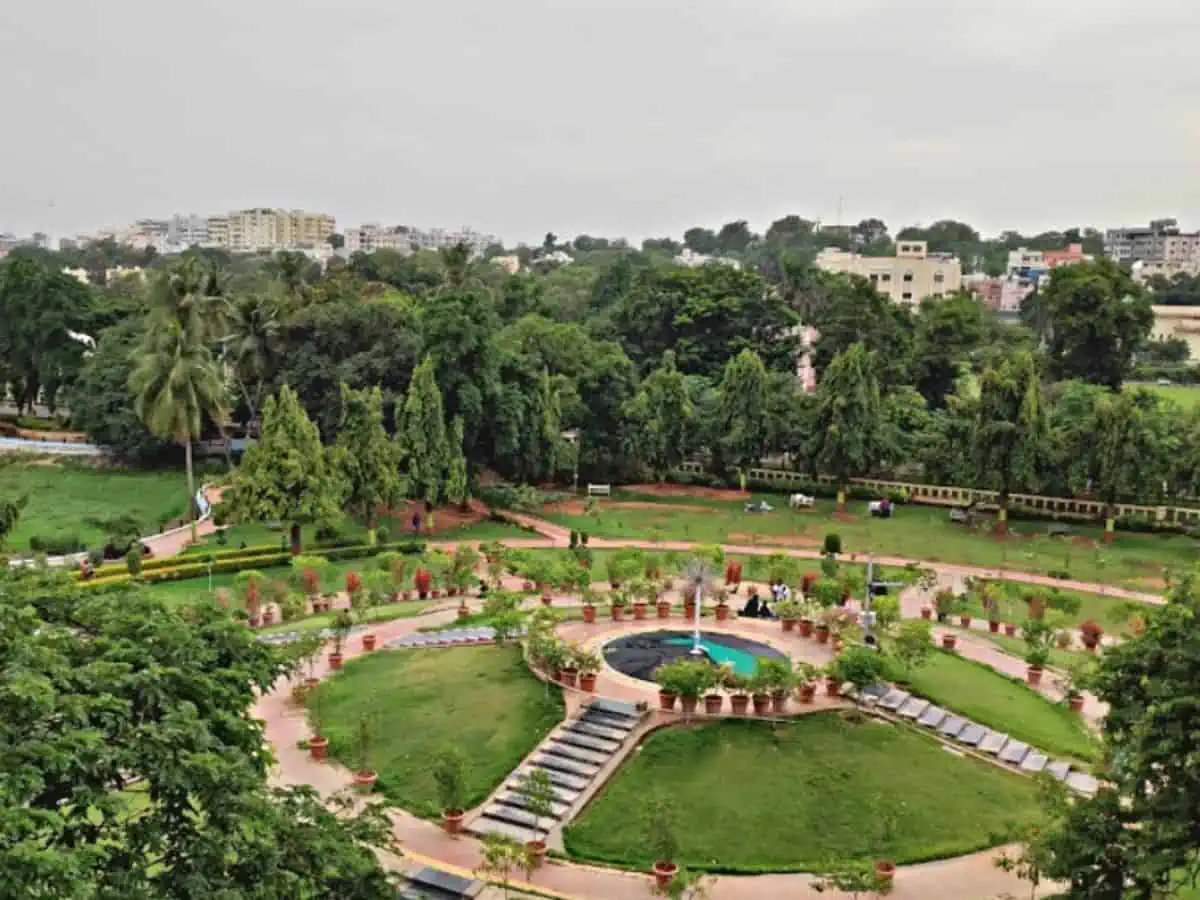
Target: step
569	766
1014	752
563	795
514	816
615	708
587	742
1059	769
615	735
618	723
514	798
577	754
932	717
913	707
485	825
564	780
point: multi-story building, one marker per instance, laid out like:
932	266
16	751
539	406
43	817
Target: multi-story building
187	230
1160	240
252	230
444	238
371	237
908	277
1178	322
9	241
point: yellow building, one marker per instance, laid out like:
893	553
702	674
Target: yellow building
251	230
908	277
1179	322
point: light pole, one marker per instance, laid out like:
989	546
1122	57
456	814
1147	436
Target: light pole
868	613
571	435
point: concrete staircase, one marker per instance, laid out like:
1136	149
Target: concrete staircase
571	756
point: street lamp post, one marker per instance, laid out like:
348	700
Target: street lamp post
572	435
868	613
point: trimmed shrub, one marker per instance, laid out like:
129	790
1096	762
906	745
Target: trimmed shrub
56	544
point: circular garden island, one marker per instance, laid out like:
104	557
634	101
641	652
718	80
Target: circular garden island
805	793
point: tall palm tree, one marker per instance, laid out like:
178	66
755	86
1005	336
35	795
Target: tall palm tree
250	343
177	384
190	293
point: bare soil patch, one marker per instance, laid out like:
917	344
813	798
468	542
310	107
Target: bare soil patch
686	490
446	518
782	540
579	507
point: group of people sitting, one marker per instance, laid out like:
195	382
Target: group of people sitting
760	608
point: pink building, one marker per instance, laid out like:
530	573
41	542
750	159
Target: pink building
1069	255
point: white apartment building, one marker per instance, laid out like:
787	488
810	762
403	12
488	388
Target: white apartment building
371	237
255	230
1161	240
908	277
368	238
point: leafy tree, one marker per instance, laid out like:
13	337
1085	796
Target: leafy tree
947	332
286	476
1182	290
734	237
10	513
659	418
190	293
132	767
913	644
421	431
1127	451
850	311
1138	837
847	433
1099	317
458	486
1010	438
101	401
701	240
741	416
177	387
364	457
39	309
251	345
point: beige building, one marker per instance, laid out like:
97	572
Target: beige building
908	277
250	230
1180	322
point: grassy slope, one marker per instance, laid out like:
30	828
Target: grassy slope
757	797
62	496
1185	395
986	696
482	700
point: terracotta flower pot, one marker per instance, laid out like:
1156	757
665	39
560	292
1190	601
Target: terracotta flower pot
568	676
527	586
762	704
537	852
364	781
436	593
547	601
1033	675
739	703
713	703
666	700
311	684
618	613
722	612
587	682
1076	703
335	661
406	596
464	611
822	634
268	617
788	624
833	687
926	612
807	692
368	642
805	628
451	592
964	621
639	610
688	704
589	614
779	702
452	820
254	621
885	872
1010	629
949	641
689	611
664	873
993	627
664	609
317	747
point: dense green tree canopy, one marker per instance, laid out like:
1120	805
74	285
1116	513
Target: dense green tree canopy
848	435
364	458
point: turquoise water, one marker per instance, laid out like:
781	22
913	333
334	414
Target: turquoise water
742	661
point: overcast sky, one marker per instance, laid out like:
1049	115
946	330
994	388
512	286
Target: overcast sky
635	117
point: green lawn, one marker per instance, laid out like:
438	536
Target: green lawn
61	496
918	532
1016	646
386	613
1111	613
990	698
801	796
482	700
1186	395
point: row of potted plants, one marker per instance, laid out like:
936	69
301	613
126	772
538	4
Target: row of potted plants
686	681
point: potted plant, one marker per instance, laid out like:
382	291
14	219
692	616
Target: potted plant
588	664
885	875
1038	635
1090	634
450	777
943	604
342	623
1074	681
807	580
833	679
423	582
759	686
537	791
354	589
249	586
722	607
991	606
662	839
808	610
827	592
687	679
568	674
364	776
616	604
318	744
663	607
789	614
739	699
554	656
1036	659
733	575
779	679
395	565
640	590
806	679
949	641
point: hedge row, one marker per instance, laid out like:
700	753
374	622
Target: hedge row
182	570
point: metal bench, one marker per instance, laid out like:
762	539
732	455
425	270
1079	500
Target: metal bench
599	490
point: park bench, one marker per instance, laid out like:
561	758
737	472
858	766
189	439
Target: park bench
1058	530
962	516
599	490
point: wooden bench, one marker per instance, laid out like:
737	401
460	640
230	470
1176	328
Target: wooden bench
599	490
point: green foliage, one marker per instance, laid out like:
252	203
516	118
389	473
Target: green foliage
861	666
741	417
847	429
421	430
686	677
363	457
661	828
1010	434
458	488
913	644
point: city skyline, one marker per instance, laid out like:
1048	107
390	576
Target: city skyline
583	117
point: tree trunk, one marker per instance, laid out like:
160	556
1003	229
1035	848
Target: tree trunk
371	523
841	500
1110	524
191	486
1002	515
295	536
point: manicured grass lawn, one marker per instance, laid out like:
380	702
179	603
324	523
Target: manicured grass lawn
986	696
918	532
386	613
482	700
1058	658
61	496
1109	612
487	530
1185	395
800	796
